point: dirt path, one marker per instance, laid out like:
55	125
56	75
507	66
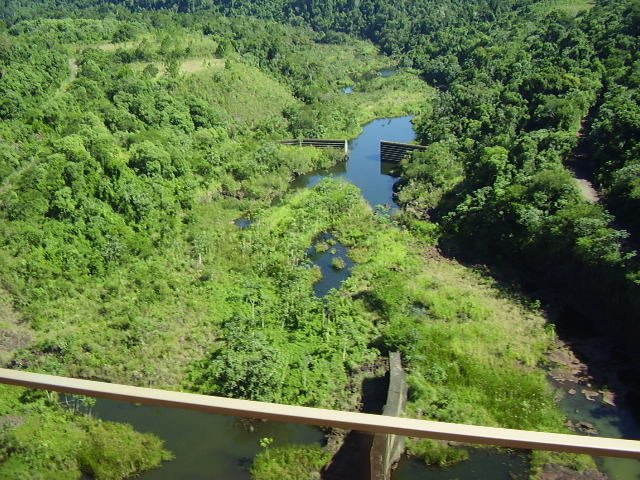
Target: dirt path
578	164
585	185
14	333
73	66
73	74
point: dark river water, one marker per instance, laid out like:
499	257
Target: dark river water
610	422
332	276
206	446
217	447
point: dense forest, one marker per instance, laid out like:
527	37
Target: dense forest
134	133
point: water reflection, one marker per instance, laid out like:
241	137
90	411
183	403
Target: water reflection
363	167
391	169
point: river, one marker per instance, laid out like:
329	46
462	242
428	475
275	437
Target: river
217	447
363	168
206	446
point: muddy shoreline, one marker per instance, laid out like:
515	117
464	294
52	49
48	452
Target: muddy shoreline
596	390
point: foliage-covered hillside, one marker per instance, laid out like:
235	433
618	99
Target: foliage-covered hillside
526	87
613	142
510	119
134	134
128	149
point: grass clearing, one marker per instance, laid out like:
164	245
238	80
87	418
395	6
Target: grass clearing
195	65
569	7
112	47
401	94
246	93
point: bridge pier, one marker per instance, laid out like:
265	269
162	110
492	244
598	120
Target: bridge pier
386	449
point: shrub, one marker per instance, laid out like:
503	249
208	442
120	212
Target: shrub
290	462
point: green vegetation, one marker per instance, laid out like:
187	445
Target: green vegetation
280	343
338	263
132	139
435	452
40	439
290	462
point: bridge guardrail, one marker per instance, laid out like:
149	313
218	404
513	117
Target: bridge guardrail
410	427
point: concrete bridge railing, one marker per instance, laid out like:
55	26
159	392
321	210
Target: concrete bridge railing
365	422
318	143
396	152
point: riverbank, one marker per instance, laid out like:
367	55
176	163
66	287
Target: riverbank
472	353
541	462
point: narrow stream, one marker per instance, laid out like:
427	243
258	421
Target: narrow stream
218	447
609	421
334	262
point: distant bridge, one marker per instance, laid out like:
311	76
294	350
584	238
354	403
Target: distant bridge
395	152
318	143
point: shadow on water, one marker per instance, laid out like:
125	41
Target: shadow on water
482	464
352	461
390	169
